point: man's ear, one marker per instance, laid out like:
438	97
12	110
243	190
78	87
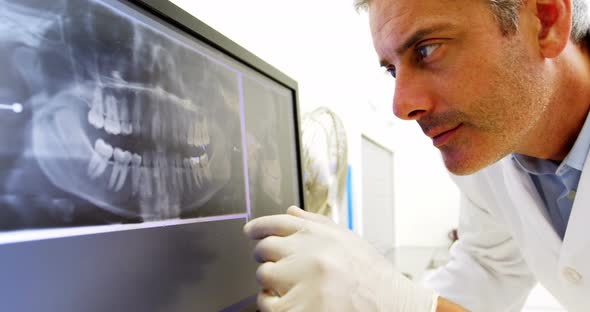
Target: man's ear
555	18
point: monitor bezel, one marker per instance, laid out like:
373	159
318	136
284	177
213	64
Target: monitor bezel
179	18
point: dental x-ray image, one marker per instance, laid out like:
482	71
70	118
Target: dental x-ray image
105	120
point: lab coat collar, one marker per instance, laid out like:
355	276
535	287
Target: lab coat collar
577	235
528	205
525	198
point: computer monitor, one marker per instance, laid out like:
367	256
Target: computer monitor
136	142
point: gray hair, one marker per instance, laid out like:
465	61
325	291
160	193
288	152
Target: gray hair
506	12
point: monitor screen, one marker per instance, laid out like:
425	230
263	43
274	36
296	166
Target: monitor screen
135	144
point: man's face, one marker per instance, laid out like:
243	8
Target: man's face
477	93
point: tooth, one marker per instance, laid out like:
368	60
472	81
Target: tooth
187	169
163	114
200	133
176	174
206	137
196	171
146	196
174	126
189	126
100	158
179	127
162	165
145	181
166	126
160	182
156	122
135	172
96	113
196	134
156	175
136	118
112	124
126	127
186	127
173	185
191	134
198	141
120	169
204	160
205	165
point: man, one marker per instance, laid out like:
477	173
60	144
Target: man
503	89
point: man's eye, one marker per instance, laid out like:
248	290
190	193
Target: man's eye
427	50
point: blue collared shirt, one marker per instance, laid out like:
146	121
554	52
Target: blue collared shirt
557	183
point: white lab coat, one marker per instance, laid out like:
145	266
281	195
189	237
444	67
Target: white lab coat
507	243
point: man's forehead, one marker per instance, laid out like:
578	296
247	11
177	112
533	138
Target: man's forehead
392	22
401	15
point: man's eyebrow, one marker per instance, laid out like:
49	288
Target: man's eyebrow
417	36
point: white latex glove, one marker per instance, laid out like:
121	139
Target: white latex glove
311	264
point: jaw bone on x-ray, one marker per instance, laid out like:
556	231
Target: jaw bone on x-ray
119	122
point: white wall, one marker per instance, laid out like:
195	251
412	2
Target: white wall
326	46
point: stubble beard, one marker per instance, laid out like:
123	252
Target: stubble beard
504	119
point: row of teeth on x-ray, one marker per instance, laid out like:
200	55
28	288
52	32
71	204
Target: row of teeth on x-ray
116	117
178	173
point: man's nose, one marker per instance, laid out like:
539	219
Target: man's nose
412	99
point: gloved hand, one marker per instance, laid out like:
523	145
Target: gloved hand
311	264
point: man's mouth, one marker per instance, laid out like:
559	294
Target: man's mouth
441	137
